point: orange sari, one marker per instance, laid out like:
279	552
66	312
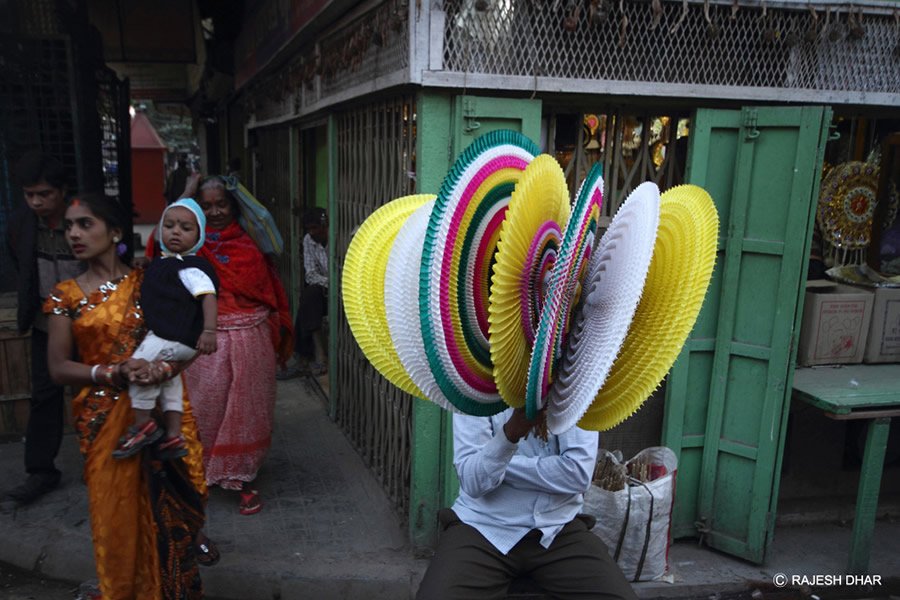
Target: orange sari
144	513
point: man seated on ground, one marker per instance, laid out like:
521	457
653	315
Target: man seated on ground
517	515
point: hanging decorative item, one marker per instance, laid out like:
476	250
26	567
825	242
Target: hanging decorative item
591	124
526	253
847	200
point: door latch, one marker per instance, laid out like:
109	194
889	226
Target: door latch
750	117
471	123
702	528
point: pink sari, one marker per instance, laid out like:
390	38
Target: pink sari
233	389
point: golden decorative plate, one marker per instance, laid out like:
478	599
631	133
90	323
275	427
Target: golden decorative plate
847	200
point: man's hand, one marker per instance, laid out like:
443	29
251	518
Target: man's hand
191	187
518	426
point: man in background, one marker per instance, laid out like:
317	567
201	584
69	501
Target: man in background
177	179
37	243
309	327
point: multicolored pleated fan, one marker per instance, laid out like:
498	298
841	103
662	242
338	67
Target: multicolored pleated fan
574	255
679	275
529	241
363	287
612	289
454	285
401	302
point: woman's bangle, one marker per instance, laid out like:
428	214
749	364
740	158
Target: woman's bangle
108	374
209	331
94	373
168	369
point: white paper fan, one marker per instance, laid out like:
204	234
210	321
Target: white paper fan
611	292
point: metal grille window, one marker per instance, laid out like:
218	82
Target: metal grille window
632	147
113	102
37	111
719	47
376	45
375	164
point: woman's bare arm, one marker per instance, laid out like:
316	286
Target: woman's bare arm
64	370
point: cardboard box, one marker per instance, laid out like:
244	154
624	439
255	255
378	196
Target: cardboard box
835	324
883	344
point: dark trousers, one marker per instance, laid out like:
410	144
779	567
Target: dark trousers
45	422
577	565
311	309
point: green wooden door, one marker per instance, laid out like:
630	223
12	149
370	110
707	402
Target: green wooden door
728	394
447	125
474	116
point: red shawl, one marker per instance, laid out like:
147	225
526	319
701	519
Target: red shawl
250	277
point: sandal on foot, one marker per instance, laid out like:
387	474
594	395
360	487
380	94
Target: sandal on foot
250	502
288	373
207	553
136	438
171	449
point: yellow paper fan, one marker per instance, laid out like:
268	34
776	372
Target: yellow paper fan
683	259
363	287
537	213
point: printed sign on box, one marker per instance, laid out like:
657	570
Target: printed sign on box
884	331
835	324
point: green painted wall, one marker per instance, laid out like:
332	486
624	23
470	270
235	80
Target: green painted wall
429	422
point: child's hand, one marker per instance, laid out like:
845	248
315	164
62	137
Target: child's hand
140	262
136	370
207	342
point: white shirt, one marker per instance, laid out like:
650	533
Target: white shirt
507	490
196	281
315	262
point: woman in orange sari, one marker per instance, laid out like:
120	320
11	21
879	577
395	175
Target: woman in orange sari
145	513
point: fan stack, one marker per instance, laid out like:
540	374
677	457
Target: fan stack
494	293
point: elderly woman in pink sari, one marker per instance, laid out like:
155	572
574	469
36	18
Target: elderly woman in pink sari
233	390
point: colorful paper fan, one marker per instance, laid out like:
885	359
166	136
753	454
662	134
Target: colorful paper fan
526	252
847	203
679	275
565	279
401	303
612	289
363	287
459	248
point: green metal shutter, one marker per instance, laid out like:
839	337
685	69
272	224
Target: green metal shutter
728	394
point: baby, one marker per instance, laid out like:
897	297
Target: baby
178	297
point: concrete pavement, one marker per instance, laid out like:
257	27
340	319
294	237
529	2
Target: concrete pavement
326	529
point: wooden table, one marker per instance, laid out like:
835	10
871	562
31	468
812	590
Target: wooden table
869	392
